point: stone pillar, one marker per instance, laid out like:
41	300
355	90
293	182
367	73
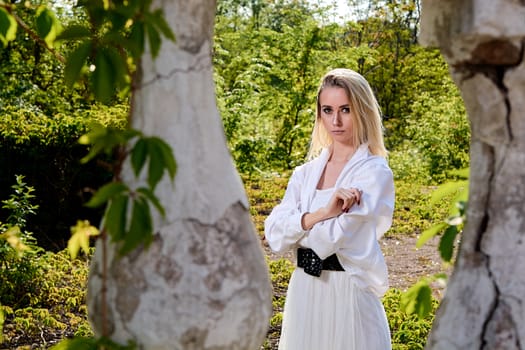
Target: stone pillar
203	283
483	43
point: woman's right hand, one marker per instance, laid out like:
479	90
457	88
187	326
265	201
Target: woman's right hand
341	201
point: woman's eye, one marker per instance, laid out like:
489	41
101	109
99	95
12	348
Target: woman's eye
346	110
327	110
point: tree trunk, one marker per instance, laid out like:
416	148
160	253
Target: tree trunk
483	42
203	283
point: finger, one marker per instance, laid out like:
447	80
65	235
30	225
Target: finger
357	193
348	203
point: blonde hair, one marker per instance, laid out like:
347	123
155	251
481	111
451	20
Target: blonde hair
366	115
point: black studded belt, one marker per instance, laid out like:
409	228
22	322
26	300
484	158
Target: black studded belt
314	265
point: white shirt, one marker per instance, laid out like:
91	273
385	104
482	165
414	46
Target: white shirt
353	236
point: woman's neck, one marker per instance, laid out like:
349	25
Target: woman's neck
341	154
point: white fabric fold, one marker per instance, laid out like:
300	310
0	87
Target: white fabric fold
353	236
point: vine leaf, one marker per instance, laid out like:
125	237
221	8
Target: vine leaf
47	26
429	233
153	199
138	156
74	32
140	229
103	77
105	193
446	244
417	299
77	343
8	27
160	156
76	61
80	235
115	218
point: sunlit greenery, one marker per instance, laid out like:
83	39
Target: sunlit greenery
268	58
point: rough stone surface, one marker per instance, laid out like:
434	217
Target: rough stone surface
483	41
203	282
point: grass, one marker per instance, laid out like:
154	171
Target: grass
57	310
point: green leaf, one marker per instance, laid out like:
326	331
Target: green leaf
447	189
76	60
106	343
8	27
429	233
47	25
105	193
138	156
168	158
76	343
119	66
104	140
44	21
153	38
446	244
162	25
156	165
103	78
153	199
115	217
417	299
74	32
136	39
140	229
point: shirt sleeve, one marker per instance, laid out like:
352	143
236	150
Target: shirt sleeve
354	235
282	228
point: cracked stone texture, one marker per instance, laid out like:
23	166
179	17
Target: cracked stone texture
203	282
483	42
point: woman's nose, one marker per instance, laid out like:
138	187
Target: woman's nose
336	120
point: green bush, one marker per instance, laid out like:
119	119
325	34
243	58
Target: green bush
19	274
58	307
408	332
45	150
439	138
40	292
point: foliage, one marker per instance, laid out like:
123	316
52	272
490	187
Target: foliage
127	218
110	45
268	58
267	71
45	150
19	204
417	299
18	282
63	294
17	270
408	332
113	32
57	308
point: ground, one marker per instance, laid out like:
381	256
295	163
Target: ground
406	265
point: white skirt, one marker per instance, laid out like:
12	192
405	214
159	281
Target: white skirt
331	312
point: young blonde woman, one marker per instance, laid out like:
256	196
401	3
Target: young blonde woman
336	207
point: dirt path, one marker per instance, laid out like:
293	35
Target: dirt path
407	264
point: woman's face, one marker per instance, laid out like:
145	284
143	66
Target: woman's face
336	114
